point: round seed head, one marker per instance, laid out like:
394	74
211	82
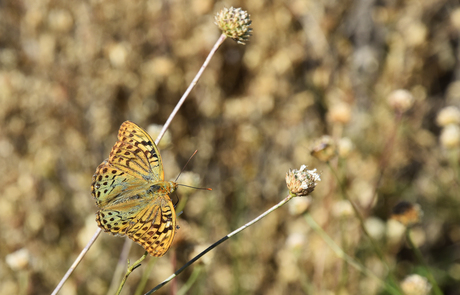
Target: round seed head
234	23
401	100
415	285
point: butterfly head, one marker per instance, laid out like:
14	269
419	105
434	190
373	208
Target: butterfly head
165	187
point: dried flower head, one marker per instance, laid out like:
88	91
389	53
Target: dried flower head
344	147
302	182
324	148
299	206
234	23
401	100
448	115
407	213
18	260
340	113
415	285
450	136
296	241
342	208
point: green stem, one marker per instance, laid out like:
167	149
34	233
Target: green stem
341	254
191	280
145	277
119	269
418	254
130	270
364	229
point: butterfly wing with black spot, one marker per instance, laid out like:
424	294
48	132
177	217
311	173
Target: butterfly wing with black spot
136	153
122	187
150	222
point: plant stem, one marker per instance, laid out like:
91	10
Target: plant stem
341	254
190	87
162	132
77	261
187	92
130	270
120	267
418	254
145	276
284	201
385	156
363	227
195	273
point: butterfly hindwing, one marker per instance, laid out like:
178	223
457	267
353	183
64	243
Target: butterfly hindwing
152	224
155	227
112	184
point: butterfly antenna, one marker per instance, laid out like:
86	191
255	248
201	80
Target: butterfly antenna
196	151
201	188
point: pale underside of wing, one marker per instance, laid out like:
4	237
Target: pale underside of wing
111	185
128	188
152	224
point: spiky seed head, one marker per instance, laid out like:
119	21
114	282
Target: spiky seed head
234	23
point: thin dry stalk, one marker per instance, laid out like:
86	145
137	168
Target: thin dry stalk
284	201
163	131
77	261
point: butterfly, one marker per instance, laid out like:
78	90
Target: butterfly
131	193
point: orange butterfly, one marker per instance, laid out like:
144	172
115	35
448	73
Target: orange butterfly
131	193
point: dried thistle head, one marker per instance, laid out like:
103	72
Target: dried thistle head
302	182
415	285
401	100
234	23
450	136
324	148
407	213
344	147
448	115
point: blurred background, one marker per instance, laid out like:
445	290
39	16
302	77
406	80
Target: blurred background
382	78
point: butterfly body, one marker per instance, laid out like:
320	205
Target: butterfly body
131	193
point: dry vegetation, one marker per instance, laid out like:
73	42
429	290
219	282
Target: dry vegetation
72	71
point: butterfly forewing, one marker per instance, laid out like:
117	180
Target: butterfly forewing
136	153
131	193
